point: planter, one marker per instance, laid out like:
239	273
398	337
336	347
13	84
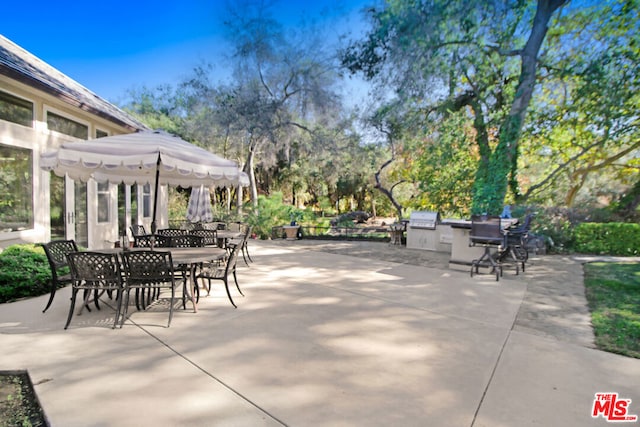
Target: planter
291	231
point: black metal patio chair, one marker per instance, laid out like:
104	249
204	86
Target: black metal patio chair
222	271
486	231
151	240
137	230
56	252
172	232
148	271
210	236
94	273
516	241
243	244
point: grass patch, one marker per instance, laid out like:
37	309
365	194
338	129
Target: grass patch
613	294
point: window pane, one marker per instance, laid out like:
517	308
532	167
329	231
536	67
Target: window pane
16	188
16	110
103	202
56	200
146	201
67	126
101	133
122	212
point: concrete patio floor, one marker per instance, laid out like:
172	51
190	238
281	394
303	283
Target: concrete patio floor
331	334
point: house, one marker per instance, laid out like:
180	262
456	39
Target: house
41	108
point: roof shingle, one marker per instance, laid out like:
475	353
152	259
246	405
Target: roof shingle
20	65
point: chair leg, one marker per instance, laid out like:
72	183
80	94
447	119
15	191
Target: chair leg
208	285
53	293
173	295
73	306
138	291
244	257
226	286
85	298
118	307
235	278
496	267
184	294
126	306
246	248
96	298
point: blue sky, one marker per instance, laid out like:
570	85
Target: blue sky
113	46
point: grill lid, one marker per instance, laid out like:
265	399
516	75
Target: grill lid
424	219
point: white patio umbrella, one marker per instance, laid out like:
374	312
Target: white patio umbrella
199	207
146	157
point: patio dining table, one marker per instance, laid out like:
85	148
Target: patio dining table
186	256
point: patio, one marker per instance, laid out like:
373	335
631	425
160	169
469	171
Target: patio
331	334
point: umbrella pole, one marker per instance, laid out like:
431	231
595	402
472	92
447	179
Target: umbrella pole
154	226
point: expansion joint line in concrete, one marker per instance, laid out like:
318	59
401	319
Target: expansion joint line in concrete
493	372
213	377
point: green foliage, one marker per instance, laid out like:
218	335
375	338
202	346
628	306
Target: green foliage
492	178
443	58
178	201
610	238
454	70
325	206
24	272
273	212
562	229
158	107
554	225
613	294
443	166
583	128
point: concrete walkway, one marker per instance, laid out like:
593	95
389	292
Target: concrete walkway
331	334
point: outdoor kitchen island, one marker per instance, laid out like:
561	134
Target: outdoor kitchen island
428	232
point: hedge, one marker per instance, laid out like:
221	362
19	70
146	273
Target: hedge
613	238
24	272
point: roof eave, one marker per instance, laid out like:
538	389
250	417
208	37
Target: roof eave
64	97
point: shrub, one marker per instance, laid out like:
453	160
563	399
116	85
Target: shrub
558	226
611	238
273	212
24	272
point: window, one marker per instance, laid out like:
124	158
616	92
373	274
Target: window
16	188
101	133
16	110
146	201
67	126
103	202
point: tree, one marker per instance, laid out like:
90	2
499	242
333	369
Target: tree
587	116
442	160
387	122
156	107
281	83
479	56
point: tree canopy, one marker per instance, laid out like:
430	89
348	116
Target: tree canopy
475	104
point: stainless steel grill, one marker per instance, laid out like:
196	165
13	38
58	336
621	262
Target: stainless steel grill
424	219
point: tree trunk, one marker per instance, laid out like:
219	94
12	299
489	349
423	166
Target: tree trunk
490	192
388	192
249	169
239	196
